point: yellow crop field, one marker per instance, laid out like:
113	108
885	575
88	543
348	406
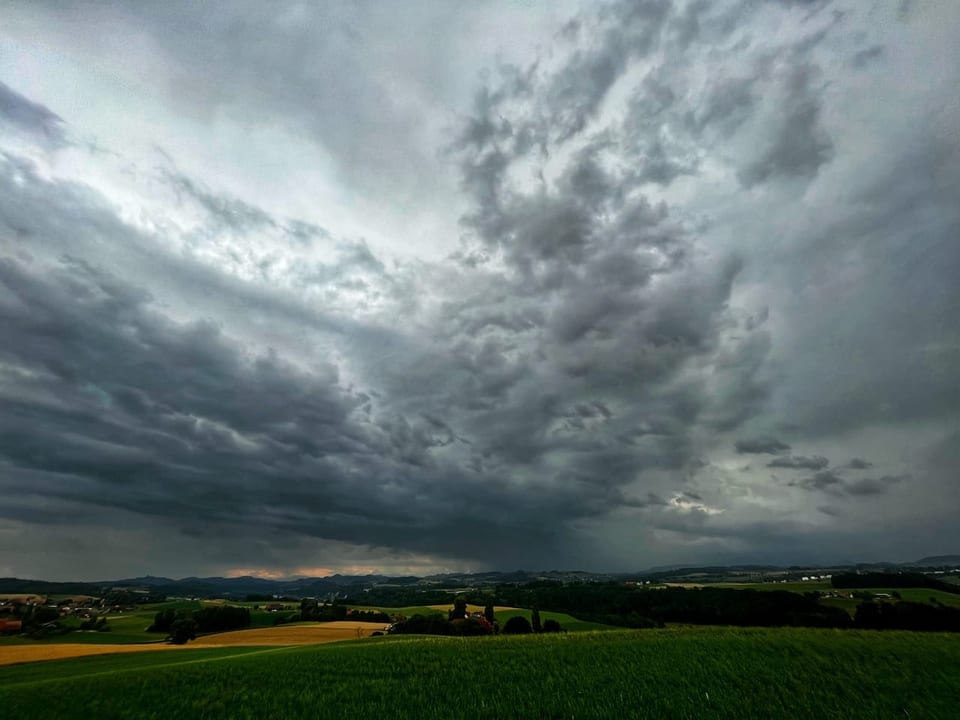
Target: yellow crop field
11	654
23	598
299	634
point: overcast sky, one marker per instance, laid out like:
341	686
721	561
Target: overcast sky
300	288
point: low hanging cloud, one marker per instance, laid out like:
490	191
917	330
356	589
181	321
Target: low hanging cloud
830	482
825	480
20	113
764	445
874	486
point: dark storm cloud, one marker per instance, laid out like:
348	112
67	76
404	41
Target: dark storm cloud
895	363
764	445
128	410
123	408
825	480
602	296
873	486
29	116
799	462
626	30
833	483
673	245
800	145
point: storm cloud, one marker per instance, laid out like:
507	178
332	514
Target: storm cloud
19	113
799	462
285	290
762	446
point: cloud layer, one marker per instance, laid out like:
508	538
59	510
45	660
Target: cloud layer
674	283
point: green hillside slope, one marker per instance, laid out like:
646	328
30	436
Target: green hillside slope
673	673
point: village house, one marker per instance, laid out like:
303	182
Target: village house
8	626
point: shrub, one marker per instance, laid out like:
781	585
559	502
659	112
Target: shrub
517	625
551	626
182	630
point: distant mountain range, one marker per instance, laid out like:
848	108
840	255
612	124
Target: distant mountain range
236	587
936	561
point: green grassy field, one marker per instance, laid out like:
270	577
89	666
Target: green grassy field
673	673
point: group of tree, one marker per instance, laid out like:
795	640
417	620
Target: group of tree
907	615
399	597
519	625
98	624
626	606
38	621
460	622
629	606
892	580
35	616
125	597
437	624
181	625
311	609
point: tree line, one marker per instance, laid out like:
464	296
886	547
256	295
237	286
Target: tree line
627	606
182	625
459	622
311	609
892	580
906	615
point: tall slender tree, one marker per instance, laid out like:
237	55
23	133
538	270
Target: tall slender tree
459	611
488	613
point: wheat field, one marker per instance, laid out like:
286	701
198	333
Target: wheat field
13	654
299	634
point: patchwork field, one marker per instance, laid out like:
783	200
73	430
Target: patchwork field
672	673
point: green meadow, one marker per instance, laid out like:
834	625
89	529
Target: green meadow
671	673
